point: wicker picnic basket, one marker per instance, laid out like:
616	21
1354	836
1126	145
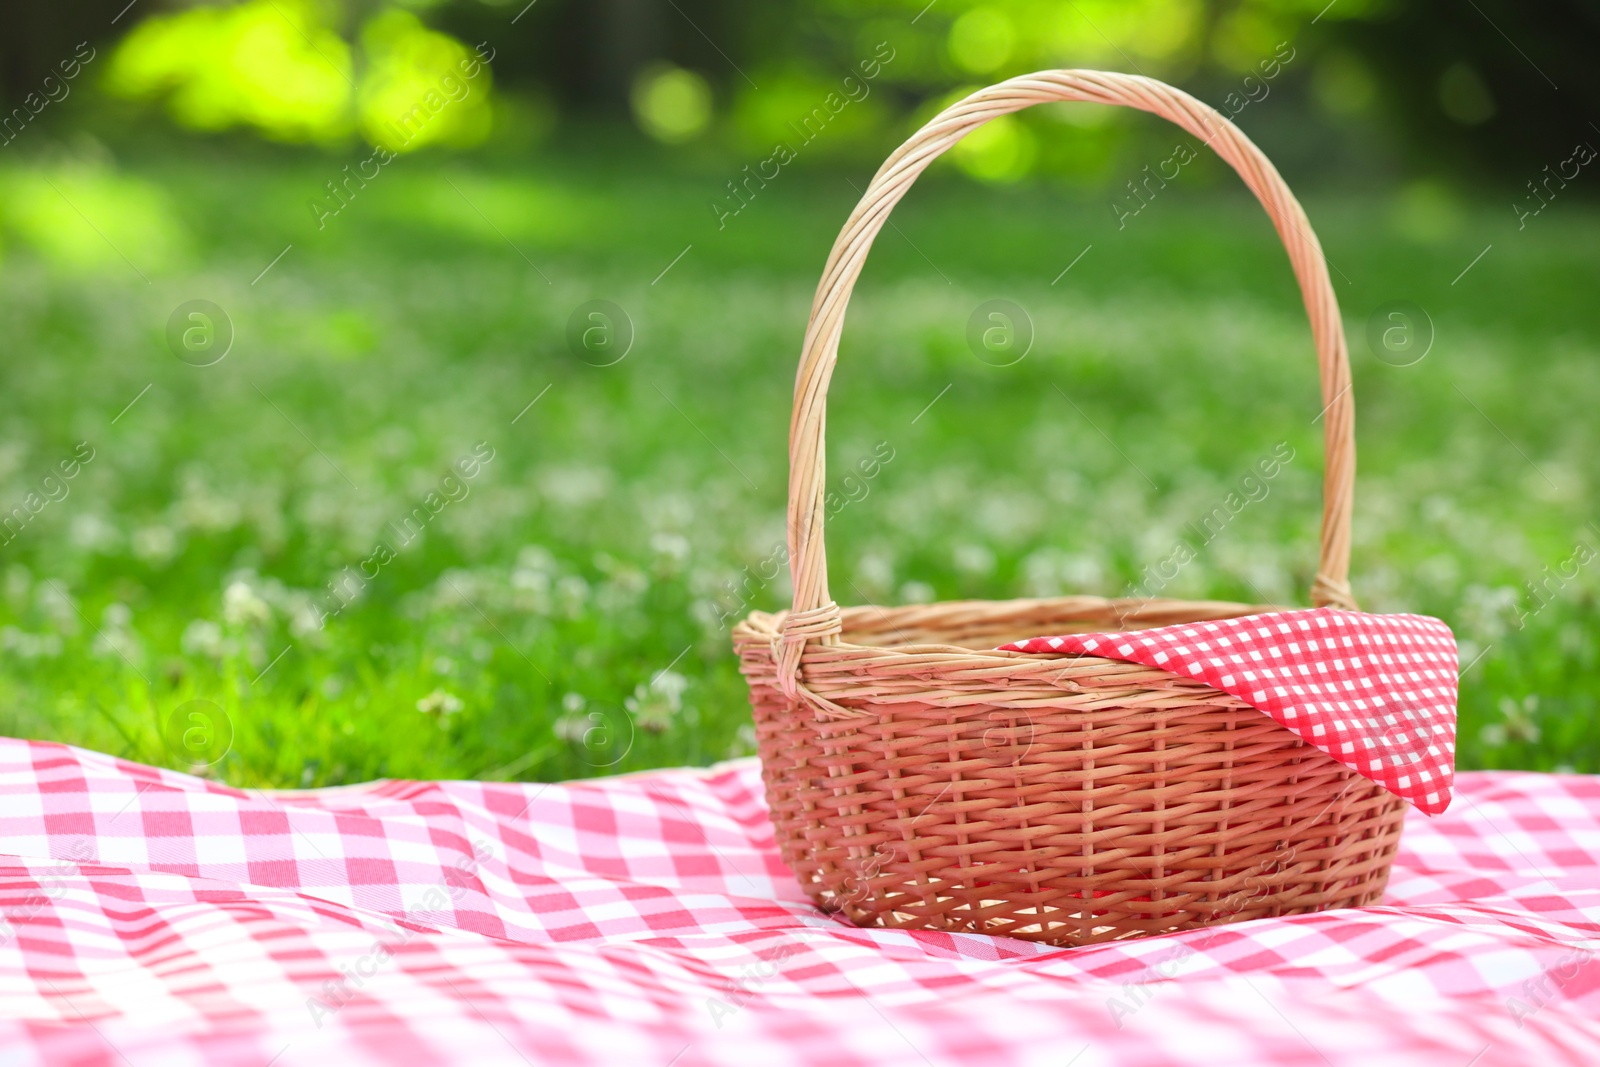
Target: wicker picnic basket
917	779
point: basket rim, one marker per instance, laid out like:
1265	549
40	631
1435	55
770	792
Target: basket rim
764	626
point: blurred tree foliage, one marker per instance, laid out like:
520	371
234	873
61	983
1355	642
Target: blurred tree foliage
1481	84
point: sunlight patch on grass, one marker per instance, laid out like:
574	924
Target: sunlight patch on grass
83	217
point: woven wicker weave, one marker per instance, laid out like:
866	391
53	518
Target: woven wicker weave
917	780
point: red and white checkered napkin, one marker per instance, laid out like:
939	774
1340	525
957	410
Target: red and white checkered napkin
1375	692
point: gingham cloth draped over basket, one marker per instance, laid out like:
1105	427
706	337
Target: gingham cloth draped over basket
157	920
919	778
1375	692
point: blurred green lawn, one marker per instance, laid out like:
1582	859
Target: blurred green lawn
566	615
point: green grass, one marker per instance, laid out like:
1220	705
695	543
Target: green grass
569	607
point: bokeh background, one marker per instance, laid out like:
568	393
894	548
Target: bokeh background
402	389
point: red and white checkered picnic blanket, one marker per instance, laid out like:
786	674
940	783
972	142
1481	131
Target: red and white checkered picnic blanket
155	919
1375	692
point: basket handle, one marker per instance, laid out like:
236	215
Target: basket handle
815	616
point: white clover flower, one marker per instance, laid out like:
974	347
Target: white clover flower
241	606
875	573
114	643
530	590
655	706
30	646
58	606
1082	573
572	728
93	533
744	742
305	620
666	510
455	588
1519	722
571	593
1041	573
1486	613
621	589
708	616
201	509
975	560
575	486
202	637
536	558
671	548
154	544
441	704
19	583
